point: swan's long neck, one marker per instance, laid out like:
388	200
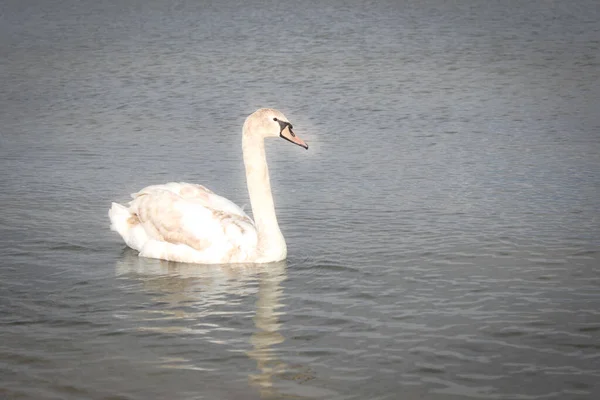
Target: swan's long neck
271	244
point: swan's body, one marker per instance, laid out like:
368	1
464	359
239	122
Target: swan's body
188	223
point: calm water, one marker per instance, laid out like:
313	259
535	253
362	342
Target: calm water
443	229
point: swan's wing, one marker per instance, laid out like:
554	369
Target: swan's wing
187	219
196	193
181	188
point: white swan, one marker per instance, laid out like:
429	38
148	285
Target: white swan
188	223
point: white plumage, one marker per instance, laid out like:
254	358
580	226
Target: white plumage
189	223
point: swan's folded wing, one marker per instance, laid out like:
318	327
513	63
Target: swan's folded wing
183	189
197	194
169	217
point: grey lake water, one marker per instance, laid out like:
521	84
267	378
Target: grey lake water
443	229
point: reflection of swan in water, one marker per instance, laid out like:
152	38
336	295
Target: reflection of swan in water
267	332
193	290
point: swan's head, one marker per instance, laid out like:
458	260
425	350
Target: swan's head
267	122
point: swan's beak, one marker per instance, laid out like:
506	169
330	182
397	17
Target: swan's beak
289	135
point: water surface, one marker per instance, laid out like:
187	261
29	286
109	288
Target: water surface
443	229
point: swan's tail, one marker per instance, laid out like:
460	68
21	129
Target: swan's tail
119	216
128	226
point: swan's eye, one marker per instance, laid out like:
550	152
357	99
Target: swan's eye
275	119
